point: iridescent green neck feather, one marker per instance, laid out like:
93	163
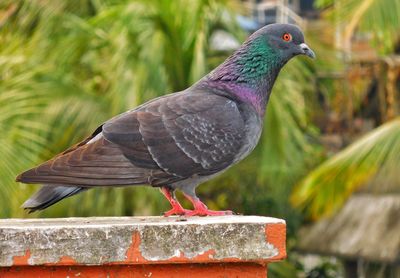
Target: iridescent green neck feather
249	73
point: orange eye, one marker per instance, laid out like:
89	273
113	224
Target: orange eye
287	37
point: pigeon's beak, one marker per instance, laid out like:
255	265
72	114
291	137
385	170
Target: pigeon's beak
307	50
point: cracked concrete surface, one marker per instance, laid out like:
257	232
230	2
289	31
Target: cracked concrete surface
96	241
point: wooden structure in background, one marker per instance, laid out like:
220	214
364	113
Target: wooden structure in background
364	233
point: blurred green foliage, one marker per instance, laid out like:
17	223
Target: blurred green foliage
373	158
378	18
325	189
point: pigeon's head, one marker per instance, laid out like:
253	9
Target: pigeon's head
286	40
250	72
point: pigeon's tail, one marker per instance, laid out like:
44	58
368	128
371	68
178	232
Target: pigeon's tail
49	195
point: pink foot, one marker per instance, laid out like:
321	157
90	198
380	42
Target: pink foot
177	208
177	211
200	209
207	212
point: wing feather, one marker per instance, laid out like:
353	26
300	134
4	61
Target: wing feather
166	140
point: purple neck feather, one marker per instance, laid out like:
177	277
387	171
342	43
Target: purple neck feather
239	92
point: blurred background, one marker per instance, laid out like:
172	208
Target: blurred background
329	157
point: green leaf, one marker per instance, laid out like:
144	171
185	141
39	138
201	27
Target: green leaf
324	190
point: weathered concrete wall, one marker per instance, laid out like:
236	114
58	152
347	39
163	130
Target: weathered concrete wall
141	241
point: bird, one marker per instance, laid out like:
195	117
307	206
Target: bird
179	140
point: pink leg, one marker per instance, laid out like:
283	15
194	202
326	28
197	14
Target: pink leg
201	209
177	208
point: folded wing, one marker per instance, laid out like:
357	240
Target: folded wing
166	140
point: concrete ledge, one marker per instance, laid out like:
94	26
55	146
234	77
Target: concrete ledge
141	241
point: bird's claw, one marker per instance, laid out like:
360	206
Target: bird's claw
207	212
198	212
177	211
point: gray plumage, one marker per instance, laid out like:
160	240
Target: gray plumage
176	141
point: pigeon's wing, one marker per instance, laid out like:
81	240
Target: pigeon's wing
97	162
185	134
164	141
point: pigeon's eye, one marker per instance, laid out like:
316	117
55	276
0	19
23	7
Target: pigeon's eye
287	37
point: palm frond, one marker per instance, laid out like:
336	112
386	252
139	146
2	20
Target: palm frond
381	18
66	68
325	189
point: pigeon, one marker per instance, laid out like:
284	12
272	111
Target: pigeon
180	140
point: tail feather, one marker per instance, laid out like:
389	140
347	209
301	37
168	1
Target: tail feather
49	195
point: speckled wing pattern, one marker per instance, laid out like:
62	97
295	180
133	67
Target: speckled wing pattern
161	142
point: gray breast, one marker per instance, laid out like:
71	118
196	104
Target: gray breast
253	129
